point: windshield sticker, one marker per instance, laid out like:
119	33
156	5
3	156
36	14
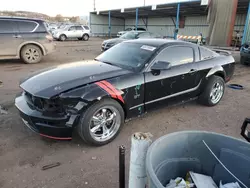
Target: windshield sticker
150	48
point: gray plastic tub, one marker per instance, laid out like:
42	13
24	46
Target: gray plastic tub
175	154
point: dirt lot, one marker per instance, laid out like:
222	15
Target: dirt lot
23	153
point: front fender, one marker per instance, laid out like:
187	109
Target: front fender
81	98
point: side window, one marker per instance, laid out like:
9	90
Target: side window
128	29
144	35
72	28
176	55
79	28
25	26
86	27
206	53
8	26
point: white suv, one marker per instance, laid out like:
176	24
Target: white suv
72	31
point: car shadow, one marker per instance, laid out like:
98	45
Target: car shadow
10	61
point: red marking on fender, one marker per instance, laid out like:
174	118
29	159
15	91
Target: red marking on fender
56	138
118	93
103	86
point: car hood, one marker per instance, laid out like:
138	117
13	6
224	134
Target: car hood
55	80
114	41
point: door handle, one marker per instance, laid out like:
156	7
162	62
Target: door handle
17	36
192	71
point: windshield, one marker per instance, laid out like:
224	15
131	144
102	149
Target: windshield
127	55
129	35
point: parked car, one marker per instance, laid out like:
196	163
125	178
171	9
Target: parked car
24	38
72	31
245	54
128	36
126	81
120	33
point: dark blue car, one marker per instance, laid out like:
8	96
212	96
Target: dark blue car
245	54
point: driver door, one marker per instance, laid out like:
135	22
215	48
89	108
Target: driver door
178	82
72	32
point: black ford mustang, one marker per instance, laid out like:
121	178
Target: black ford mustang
124	82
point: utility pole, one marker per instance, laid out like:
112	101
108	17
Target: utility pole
94	5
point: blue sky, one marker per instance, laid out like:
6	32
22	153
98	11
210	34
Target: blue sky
74	7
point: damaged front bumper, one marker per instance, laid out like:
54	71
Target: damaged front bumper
56	127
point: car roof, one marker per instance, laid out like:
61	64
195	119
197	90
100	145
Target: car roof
158	42
20	18
138	32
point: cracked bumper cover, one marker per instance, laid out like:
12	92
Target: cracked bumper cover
60	127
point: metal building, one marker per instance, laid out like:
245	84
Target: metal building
189	17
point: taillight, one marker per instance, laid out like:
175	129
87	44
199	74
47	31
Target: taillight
49	37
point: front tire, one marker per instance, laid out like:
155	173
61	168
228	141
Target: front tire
85	37
31	54
62	37
213	92
101	123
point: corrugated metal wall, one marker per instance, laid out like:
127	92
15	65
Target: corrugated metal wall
193	25
163	26
100	25
247	34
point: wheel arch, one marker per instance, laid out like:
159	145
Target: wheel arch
217	71
64	35
31	43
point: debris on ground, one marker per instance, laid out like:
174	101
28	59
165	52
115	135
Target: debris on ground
1	83
3	111
236	86
94	158
46	167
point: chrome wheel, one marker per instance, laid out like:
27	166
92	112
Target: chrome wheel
216	92
85	37
62	37
31	55
105	123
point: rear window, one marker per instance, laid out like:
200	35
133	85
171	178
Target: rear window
206	53
86	27
8	26
27	26
141	29
79	28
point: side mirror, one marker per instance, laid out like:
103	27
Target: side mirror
161	65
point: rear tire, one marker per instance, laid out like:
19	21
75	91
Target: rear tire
85	37
243	62
213	92
96	127
31	54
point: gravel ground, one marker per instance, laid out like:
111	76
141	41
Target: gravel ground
23	153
